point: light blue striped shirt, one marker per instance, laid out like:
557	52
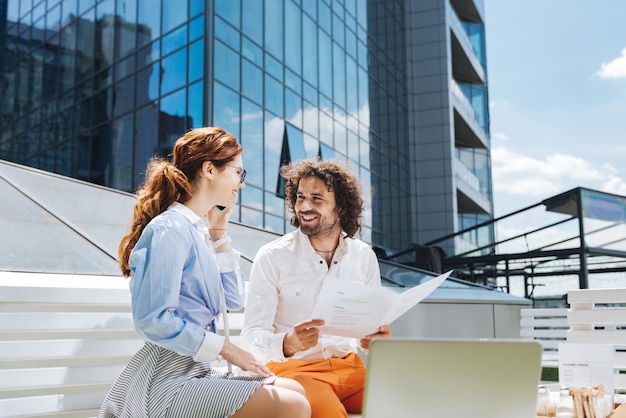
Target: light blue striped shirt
175	284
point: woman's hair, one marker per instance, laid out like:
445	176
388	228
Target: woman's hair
168	182
337	179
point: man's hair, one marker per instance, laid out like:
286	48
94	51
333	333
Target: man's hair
338	179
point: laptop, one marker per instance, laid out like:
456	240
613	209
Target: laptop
409	378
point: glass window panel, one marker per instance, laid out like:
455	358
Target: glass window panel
174	40
146	139
363	92
69	11
293	108
325	64
13	12
311	8
311	147
195	69
86	45
274	27
227	33
274	95
340	138
195	105
309	50
83	5
351	43
352	86
325	104
327	152
226	65
274	224
273	67
362	54
251	51
226	109
149	54
339	76
251	196
293	81
273	141
125	27
196	28
310	93
310	119
324	16
326	129
274	204
252	81
252	24
174	13
195	8
53	20
296	143
149	20
124	96
293	47
252	141
229	10
171	120
147	84
122	153
252	217
338	30
174	71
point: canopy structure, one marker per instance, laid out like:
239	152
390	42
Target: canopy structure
581	232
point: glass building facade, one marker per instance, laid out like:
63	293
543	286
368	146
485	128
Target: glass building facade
92	89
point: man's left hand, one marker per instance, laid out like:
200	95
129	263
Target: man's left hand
383	332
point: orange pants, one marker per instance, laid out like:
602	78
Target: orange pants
333	386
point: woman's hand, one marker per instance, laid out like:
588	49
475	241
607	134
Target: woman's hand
383	332
244	360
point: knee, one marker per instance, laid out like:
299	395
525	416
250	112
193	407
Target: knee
293	404
289	384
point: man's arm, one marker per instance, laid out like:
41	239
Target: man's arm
258	333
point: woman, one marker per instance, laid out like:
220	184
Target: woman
183	271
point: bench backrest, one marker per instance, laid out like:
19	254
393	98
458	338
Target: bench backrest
599	316
61	348
548	326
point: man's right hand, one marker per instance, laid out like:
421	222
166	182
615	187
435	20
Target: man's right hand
302	337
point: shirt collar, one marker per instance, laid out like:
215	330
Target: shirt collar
187	213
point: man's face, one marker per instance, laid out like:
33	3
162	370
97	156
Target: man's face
315	208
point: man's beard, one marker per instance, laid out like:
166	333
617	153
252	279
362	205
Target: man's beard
323	228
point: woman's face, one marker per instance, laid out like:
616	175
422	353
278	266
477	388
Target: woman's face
228	181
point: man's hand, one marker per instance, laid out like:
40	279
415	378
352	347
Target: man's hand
302	337
383	332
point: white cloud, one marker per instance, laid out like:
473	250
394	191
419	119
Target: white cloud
519	174
501	136
613	69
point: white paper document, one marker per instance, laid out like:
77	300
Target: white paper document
356	310
586	365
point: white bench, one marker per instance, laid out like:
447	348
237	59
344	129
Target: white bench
63	342
599	316
548	326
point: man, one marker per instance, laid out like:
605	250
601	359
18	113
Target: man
287	275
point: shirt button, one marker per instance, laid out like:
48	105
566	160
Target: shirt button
297	293
334	262
321	262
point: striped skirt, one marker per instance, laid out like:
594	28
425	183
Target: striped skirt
159	383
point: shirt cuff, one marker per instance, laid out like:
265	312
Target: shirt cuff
210	349
276	346
228	261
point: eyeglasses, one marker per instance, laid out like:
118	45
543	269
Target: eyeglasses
242	172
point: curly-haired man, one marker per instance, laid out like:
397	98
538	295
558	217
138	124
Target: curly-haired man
287	275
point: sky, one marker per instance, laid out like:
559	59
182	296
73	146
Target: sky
557	97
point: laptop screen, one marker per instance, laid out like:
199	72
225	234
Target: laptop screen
410	378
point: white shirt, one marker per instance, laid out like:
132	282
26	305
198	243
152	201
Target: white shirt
286	278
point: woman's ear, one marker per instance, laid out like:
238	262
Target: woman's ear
207	168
